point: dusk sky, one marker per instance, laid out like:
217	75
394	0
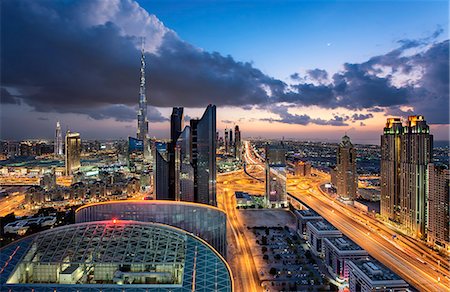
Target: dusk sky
293	69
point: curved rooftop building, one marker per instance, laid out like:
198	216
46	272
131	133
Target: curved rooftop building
204	221
114	255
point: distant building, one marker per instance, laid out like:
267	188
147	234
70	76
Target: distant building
227	141
302	168
203	156
338	250
73	152
438	233
346	176
58	140
318	230
237	143
367	275
276	195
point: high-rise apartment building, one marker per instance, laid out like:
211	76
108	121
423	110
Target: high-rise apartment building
72	152
276	195
390	169
203	156
227	141
405	154
58	140
438	231
416	153
346	176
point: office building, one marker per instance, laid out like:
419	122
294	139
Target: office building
58	140
339	250
72	153
186	176
416	153
227	141
161	173
237	143
276	195
390	165
203	156
176	126
346	176
438	233
367	275
113	255
303	217
207	222
316	232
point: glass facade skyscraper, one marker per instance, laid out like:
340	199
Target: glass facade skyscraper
276	195
72	152
203	156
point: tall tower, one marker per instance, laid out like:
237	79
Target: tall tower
276	196
416	153
347	179
58	140
176	127
142	128
73	152
390	169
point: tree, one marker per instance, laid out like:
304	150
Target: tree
264	249
273	271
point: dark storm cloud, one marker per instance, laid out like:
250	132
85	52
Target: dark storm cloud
287	118
74	57
361	117
7	98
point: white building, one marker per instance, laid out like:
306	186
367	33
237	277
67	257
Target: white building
304	216
369	275
316	232
338	251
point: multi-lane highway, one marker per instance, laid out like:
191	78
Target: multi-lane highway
401	255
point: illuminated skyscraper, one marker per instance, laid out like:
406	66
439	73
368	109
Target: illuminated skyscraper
346	176
416	153
276	176
227	141
390	169
58	140
161	172
73	152
438	231
237	142
142	128
203	156
405	154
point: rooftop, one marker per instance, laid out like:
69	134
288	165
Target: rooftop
375	270
114	254
323	225
307	213
344	244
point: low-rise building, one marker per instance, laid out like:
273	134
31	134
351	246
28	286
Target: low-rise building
370	275
304	216
338	251
318	230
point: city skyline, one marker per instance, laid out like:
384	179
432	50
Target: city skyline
404	72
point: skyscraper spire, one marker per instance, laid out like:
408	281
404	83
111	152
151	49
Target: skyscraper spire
142	130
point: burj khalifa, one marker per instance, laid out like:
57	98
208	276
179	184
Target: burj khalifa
142	129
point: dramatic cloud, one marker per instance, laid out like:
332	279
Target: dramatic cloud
361	117
83	57
288	118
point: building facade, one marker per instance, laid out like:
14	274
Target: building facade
176	127
207	222
237	143
276	195
59	151
72	152
346	176
186	169
161	173
203	156
438	232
